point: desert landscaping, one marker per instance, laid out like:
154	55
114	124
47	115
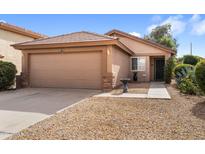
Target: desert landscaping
182	117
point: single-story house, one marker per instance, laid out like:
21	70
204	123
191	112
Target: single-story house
10	34
92	61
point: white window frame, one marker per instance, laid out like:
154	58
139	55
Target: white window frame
140	68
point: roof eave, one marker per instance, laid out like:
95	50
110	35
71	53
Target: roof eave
63	45
21	31
74	44
125	48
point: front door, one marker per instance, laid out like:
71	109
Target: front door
159	69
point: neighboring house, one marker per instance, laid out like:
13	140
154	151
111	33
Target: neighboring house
10	34
90	60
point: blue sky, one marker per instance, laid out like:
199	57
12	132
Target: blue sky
185	28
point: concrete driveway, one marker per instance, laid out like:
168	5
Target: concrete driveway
22	108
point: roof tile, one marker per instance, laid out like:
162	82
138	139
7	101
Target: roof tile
70	38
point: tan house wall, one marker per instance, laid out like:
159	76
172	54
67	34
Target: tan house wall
140	48
10	54
144	50
144	76
120	65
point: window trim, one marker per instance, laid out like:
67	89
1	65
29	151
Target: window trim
138	57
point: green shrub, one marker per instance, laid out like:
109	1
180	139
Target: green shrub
200	58
200	74
7	74
170	64
187	86
179	60
190	59
182	70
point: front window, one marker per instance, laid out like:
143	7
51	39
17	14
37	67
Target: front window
137	64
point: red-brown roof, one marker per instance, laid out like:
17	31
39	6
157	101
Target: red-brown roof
76	39
148	42
82	36
19	30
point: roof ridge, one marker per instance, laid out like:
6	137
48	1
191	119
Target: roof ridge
51	37
102	35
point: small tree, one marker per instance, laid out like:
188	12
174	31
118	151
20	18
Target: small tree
7	74
200	74
162	35
170	64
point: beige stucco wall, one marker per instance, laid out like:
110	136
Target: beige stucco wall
10	54
120	65
141	49
144	76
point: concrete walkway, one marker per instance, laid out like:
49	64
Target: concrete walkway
12	122
24	107
157	90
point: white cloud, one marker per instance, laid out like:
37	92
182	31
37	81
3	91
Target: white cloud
197	25
2	21
195	18
151	27
198	28
135	34
178	25
156	18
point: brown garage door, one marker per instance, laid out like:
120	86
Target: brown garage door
68	70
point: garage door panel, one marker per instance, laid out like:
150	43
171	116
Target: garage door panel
72	70
72	74
73	84
78	76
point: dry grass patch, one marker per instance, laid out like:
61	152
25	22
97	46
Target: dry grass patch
117	118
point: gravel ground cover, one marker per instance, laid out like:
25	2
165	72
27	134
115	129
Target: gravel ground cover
183	117
133	88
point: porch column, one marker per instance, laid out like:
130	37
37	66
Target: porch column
107	68
25	67
148	68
